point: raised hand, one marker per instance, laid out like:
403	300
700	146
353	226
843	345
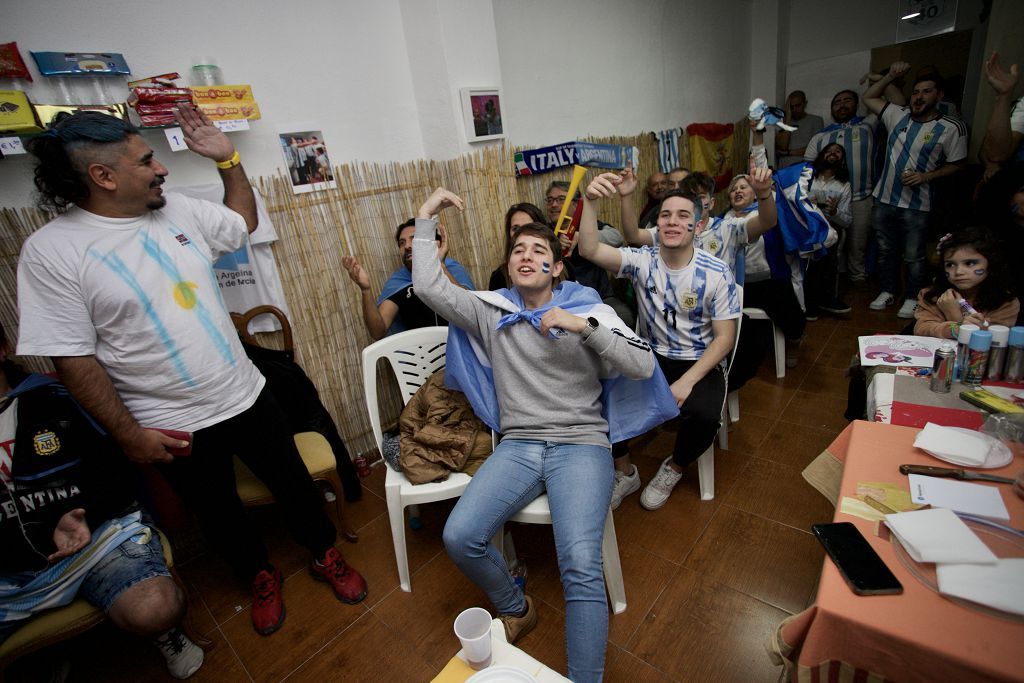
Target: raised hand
898	69
760	180
355	271
438	201
604	185
627	182
871	77
562	319
201	136
1001	80
71	535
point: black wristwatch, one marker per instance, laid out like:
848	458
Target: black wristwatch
592	325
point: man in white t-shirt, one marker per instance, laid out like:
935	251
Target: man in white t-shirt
120	292
922	146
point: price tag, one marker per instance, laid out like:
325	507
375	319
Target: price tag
11	145
176	139
232	125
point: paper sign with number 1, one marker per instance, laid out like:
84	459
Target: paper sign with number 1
176	139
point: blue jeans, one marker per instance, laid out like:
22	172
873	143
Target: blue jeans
900	230
578	480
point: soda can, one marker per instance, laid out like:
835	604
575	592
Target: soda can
362	465
942	369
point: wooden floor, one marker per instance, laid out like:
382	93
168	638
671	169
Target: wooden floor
706	582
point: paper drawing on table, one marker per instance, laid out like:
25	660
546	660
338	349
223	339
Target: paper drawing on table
898	350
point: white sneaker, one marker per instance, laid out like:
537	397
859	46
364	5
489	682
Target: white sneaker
656	493
625	484
183	656
881	301
907	309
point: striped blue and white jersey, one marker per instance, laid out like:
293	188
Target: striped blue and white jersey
725	238
857	136
676	307
916	146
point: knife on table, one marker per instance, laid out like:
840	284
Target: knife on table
953	473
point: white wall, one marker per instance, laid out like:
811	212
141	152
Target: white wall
827	28
382	79
600	67
341	65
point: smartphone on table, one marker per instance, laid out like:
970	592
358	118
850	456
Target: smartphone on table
861	567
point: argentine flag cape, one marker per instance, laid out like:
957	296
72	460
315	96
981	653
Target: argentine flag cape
631	407
803	226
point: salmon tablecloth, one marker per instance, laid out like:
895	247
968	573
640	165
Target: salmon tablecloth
916	636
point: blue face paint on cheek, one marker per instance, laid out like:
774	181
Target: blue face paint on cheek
545	267
689	227
979	272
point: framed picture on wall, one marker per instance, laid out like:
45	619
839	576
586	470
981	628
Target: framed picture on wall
306	160
482	114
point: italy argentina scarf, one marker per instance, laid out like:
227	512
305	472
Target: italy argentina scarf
631	407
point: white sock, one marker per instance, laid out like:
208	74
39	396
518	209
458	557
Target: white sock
183	656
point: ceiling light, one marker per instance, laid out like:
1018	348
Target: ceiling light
910	16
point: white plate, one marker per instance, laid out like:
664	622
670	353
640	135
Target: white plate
999	454
501	674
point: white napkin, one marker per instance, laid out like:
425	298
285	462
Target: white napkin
960	447
938	535
999	585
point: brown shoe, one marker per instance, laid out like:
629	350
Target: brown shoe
517	627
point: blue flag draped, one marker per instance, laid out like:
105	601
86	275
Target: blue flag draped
631	407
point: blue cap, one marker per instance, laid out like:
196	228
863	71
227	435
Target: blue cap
981	340
1017	336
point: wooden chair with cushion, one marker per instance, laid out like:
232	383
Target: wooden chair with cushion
314	449
56	625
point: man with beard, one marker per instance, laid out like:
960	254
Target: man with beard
657	185
856	134
830	190
922	146
119	290
398	308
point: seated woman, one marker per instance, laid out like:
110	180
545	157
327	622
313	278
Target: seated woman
517	216
973	271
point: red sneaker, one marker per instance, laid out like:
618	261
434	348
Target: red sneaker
268	603
347	583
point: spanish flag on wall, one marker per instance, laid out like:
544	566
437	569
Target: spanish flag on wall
711	151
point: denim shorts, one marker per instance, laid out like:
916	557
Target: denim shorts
132	562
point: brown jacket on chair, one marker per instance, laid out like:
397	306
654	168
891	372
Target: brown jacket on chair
440	434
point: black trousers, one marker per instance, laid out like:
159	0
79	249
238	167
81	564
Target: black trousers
699	418
778	300
206	481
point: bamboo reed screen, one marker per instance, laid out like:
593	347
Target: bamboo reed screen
359	217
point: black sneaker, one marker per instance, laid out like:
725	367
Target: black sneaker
835	306
812	314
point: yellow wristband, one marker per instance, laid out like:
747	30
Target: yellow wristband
235	160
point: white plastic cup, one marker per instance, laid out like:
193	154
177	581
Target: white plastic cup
473	628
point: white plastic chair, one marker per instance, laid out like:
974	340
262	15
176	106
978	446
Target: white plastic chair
777	336
414	356
706	462
538	512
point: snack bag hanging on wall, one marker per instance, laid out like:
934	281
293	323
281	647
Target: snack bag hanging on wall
11	63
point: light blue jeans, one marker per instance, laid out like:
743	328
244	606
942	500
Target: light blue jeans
578	480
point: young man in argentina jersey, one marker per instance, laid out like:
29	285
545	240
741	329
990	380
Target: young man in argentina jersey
922	145
688	302
856	134
724	237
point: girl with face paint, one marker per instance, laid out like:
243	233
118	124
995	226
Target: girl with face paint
972	288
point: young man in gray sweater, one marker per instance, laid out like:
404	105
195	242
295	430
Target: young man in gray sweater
545	362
